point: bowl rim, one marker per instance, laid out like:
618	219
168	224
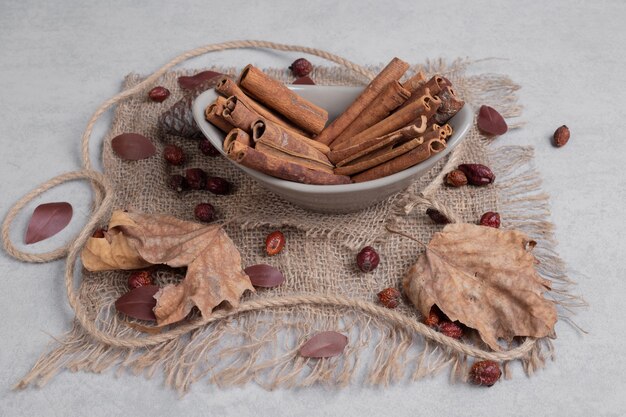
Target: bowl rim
456	138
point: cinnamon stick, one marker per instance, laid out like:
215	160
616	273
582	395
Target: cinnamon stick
432	145
450	105
416	81
435	85
269	150
277	167
269	134
425	106
383	155
344	156
227	88
392	72
238	114
277	96
236	135
213	115
393	95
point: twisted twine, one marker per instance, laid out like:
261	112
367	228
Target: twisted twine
103	203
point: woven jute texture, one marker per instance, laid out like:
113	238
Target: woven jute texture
319	259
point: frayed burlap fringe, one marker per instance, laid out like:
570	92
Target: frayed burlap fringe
261	345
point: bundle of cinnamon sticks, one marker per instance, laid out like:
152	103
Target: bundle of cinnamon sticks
391	126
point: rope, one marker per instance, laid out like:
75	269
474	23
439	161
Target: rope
103	203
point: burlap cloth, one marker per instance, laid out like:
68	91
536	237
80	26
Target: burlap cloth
319	258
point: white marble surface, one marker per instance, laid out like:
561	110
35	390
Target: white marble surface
59	60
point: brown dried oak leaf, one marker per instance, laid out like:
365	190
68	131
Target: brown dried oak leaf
136	240
484	278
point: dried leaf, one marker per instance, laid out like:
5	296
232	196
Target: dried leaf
47	220
324	345
491	122
484	278
214	272
132	146
138	303
191	82
264	276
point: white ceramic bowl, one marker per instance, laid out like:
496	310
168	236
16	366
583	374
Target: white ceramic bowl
334	198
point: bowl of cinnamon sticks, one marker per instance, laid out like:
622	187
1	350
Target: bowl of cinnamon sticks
334	149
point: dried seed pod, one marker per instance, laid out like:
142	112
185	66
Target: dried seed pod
324	345
139	279
301	67
561	136
204	212
265	276
485	373
218	185
491	122
196	178
274	243
174	155
178	183
158	94
451	329
456	178
434	317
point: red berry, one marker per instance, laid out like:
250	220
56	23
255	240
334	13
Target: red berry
178	183
367	260
207	148
174	155
491	219
196	178
478	174
218	185
434	317
139	279
301	67
159	94
485	373
274	243
204	212
451	329
437	216
389	297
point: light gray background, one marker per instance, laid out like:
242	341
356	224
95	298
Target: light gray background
59	60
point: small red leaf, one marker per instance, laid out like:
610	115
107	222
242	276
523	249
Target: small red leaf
138	303
132	146
264	276
47	220
189	83
304	80
491	122
324	345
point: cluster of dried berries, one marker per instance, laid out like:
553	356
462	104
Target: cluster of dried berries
439	321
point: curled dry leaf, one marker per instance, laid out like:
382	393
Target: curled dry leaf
47	220
138	303
324	345
265	276
132	146
484	278
214	272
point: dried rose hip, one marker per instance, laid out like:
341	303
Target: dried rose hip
174	155
485	373
456	178
207	148
217	185
139	279
477	174
437	216
451	329
178	183
159	94
367	260
389	297
204	212
196	178
301	67
434	317
491	219
561	136
274	243
99	233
